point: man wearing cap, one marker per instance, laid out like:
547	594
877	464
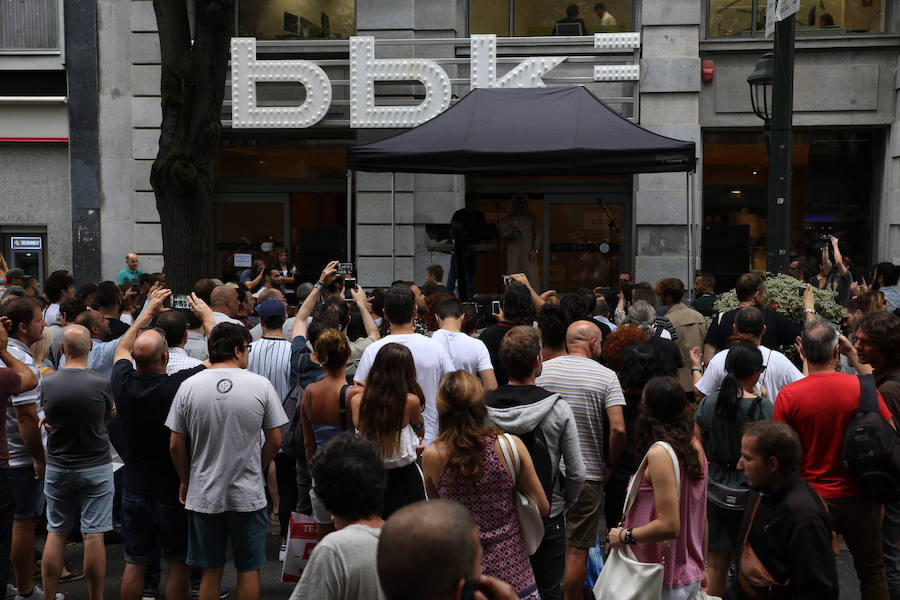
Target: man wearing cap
130	271
270	355
21	278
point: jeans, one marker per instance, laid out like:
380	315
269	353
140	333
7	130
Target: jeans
890	542
859	522
549	562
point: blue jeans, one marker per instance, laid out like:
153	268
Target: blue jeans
549	562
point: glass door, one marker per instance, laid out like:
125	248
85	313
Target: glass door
586	241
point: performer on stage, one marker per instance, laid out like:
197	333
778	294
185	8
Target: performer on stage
468	226
523	239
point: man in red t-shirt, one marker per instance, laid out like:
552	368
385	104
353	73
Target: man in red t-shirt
819	408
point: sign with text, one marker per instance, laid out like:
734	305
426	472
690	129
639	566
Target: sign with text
26	243
365	70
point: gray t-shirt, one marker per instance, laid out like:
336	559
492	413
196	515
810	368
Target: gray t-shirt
222	411
75	402
342	567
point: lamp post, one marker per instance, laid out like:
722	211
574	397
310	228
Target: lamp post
772	98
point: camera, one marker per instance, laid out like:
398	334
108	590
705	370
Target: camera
345	268
180	302
507	279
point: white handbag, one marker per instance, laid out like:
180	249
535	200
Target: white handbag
530	520
623	576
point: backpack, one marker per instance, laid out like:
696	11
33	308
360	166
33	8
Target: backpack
539	450
292	442
871	448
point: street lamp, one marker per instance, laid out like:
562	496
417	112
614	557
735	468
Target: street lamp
760	81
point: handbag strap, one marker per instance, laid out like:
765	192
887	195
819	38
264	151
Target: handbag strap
750	524
342	407
511	462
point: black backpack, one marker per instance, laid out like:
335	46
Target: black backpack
871	448
537	446
292	442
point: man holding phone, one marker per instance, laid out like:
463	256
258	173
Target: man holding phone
130	273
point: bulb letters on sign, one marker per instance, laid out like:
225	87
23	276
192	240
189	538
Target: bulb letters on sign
365	70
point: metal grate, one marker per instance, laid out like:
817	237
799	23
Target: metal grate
29	24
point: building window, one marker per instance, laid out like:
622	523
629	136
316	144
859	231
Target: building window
557	17
832	193
29	25
296	19
747	18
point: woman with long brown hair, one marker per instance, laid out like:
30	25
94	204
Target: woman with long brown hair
388	411
668	521
464	464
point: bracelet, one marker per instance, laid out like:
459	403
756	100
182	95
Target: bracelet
318	285
809	310
697	370
621	532
629	537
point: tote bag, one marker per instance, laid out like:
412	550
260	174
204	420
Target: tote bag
530	520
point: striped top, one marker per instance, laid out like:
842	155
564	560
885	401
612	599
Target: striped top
589	388
271	358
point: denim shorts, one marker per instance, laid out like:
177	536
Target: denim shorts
88	492
150	523
28	493
207	535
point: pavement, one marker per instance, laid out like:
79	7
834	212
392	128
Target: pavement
270	575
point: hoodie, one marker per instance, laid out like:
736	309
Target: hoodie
520	409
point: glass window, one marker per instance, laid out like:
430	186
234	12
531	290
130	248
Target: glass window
735	18
831	193
31	25
557	17
296	19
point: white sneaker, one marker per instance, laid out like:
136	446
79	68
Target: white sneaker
282	553
10	592
38	594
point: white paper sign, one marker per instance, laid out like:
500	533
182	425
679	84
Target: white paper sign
771	9
243	260
786	8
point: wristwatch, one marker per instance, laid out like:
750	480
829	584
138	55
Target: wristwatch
318	285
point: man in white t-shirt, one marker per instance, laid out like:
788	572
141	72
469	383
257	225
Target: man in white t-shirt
466	353
431	360
223	410
778	370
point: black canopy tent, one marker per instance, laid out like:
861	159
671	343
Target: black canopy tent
527	131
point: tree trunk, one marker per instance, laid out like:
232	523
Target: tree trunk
183	175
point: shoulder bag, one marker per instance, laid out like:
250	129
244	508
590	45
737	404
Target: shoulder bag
752	576
530	520
623	576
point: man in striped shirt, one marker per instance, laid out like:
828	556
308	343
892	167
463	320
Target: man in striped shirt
270	355
594	394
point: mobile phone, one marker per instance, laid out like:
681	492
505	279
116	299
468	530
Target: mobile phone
507	279
136	285
345	268
470	308
349	286
470	586
180	302
801	289
495	307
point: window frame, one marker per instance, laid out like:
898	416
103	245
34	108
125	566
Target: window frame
237	18
38	59
511	30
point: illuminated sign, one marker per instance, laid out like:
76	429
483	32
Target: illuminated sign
26	243
365	70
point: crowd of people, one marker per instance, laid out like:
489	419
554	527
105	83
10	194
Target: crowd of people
637	420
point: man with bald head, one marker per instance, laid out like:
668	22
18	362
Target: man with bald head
130	271
152	516
225	304
431	550
595	396
78	481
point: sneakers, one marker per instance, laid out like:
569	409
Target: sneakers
282	553
37	594
10	592
224	592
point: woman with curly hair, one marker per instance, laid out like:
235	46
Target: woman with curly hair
615	344
667	522
388	412
465	465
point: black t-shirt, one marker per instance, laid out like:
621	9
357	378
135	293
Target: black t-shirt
668	353
75	402
116	329
780	331
142	404
491	336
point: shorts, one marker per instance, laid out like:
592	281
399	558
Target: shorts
724	527
584	517
28	493
207	535
150	523
88	492
321	514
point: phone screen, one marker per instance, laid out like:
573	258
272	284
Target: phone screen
495	306
349	286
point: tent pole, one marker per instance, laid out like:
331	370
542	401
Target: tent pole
393	233
349	215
